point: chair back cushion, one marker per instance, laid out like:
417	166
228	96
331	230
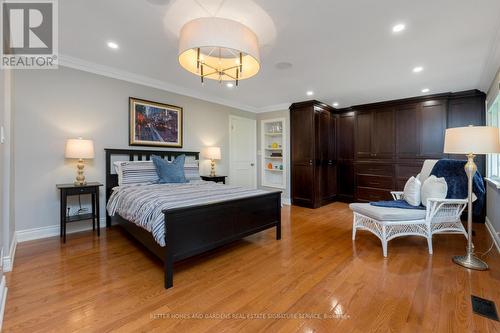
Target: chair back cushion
426	170
411	193
435	188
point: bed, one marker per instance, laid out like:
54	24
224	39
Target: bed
189	230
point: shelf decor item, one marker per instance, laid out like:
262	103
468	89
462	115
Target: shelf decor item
213	154
80	149
471	140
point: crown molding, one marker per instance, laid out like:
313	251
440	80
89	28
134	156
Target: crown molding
491	64
86	66
276	107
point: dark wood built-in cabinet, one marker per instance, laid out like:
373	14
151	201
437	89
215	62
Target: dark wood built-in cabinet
313	154
363	152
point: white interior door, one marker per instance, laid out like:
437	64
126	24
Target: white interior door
242	151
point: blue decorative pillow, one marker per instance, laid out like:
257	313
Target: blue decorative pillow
170	172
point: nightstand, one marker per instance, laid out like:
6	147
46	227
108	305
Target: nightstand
217	179
71	189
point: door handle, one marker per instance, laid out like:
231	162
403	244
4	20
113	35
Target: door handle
252	164
310	162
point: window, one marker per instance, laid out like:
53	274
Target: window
493	119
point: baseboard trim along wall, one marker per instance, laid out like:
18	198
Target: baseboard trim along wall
51	231
286	201
8	260
493	233
3	299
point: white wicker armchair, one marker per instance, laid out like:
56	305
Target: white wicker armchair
440	216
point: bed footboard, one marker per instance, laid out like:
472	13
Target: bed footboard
196	229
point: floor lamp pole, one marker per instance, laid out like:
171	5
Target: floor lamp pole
470	260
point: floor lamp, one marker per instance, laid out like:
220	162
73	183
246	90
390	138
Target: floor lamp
472	141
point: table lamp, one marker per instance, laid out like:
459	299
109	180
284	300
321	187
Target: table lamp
471	141
80	149
212	153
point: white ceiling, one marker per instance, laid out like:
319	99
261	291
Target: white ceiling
344	51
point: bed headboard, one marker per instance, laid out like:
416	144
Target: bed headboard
136	155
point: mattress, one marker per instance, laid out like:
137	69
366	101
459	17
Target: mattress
142	204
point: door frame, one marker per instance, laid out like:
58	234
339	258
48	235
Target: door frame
254	148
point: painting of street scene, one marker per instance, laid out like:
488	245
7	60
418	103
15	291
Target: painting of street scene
155	124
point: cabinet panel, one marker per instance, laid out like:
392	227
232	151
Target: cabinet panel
432	128
345	136
303	186
383	141
346	179
407	131
371	194
375	181
363	134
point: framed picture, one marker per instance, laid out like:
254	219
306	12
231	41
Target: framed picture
154	124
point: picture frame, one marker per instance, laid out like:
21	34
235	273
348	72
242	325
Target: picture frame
155	124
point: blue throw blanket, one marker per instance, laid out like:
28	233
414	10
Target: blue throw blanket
456	178
395	204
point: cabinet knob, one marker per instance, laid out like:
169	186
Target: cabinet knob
310	162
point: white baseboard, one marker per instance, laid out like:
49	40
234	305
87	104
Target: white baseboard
52	230
493	233
3	299
286	201
8	260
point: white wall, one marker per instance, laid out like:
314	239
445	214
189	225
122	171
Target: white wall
54	105
270	115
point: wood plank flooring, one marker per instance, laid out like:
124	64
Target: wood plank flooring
314	280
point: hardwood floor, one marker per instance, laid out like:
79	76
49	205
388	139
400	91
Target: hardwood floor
113	284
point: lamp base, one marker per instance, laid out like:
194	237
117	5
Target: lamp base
470	261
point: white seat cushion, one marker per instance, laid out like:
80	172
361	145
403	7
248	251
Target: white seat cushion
387	214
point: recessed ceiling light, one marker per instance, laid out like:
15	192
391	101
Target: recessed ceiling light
426	90
112	45
229	85
398	27
335	104
418	69
310	93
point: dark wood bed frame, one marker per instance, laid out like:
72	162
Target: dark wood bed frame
196	229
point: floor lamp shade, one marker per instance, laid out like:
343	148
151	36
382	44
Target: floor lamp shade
472	140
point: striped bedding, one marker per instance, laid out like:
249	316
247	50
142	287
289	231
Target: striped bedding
142	204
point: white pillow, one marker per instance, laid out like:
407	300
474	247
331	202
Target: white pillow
433	188
411	193
135	172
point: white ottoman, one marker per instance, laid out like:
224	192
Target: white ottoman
388	223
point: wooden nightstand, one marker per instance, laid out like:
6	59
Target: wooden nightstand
217	179
71	189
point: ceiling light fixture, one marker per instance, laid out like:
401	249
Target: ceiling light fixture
398	28
219	49
112	45
335	104
309	93
425	90
418	69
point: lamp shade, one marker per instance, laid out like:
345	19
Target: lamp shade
212	153
79	148
472	140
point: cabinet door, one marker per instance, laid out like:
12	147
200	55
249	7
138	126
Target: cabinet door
302	139
346	180
383	134
432	128
363	134
345	136
325	152
407	131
